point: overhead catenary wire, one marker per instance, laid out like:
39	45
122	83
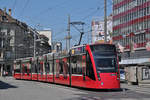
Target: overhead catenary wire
58	33
110	1
95	11
51	8
5	2
91	13
98	8
47	10
86	17
24	7
14	5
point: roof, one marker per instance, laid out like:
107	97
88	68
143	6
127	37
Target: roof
9	19
134	61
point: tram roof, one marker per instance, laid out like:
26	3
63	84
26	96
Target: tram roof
100	44
78	46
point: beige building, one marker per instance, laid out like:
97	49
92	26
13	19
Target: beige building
98	29
17	41
48	34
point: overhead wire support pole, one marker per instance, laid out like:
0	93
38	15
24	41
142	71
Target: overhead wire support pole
68	37
34	45
69	32
105	21
80	30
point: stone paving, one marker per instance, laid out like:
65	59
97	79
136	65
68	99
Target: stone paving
11	89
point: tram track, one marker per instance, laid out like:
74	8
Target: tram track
135	88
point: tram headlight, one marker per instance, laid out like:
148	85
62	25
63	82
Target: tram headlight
98	77
102	83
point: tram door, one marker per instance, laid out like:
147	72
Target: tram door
65	71
23	71
84	66
41	71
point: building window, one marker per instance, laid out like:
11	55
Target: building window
4	18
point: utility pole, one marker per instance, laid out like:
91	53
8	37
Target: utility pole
68	37
66	43
81	30
69	32
34	45
105	21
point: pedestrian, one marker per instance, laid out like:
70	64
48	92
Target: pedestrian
4	74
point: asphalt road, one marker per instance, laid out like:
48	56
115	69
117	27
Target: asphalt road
11	89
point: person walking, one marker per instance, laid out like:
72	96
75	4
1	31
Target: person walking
4	74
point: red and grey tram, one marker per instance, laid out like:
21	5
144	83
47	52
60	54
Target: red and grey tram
89	66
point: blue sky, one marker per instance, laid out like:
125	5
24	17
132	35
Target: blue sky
52	14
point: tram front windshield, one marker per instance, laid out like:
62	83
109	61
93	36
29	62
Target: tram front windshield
105	64
105	61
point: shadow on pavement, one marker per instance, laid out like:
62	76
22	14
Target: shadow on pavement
124	94
102	90
4	85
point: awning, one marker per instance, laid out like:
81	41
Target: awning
134	61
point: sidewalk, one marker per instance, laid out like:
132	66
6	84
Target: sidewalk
136	88
7	78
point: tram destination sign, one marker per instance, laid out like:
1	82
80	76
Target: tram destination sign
103	48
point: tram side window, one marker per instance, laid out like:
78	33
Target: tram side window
73	65
79	65
65	69
51	66
22	66
30	68
57	69
33	68
76	64
17	68
47	67
60	67
36	68
84	64
41	68
89	68
25	69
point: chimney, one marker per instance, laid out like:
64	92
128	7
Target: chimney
9	12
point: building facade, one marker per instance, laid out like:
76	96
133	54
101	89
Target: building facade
56	47
47	33
43	46
131	30
17	41
131	27
98	29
